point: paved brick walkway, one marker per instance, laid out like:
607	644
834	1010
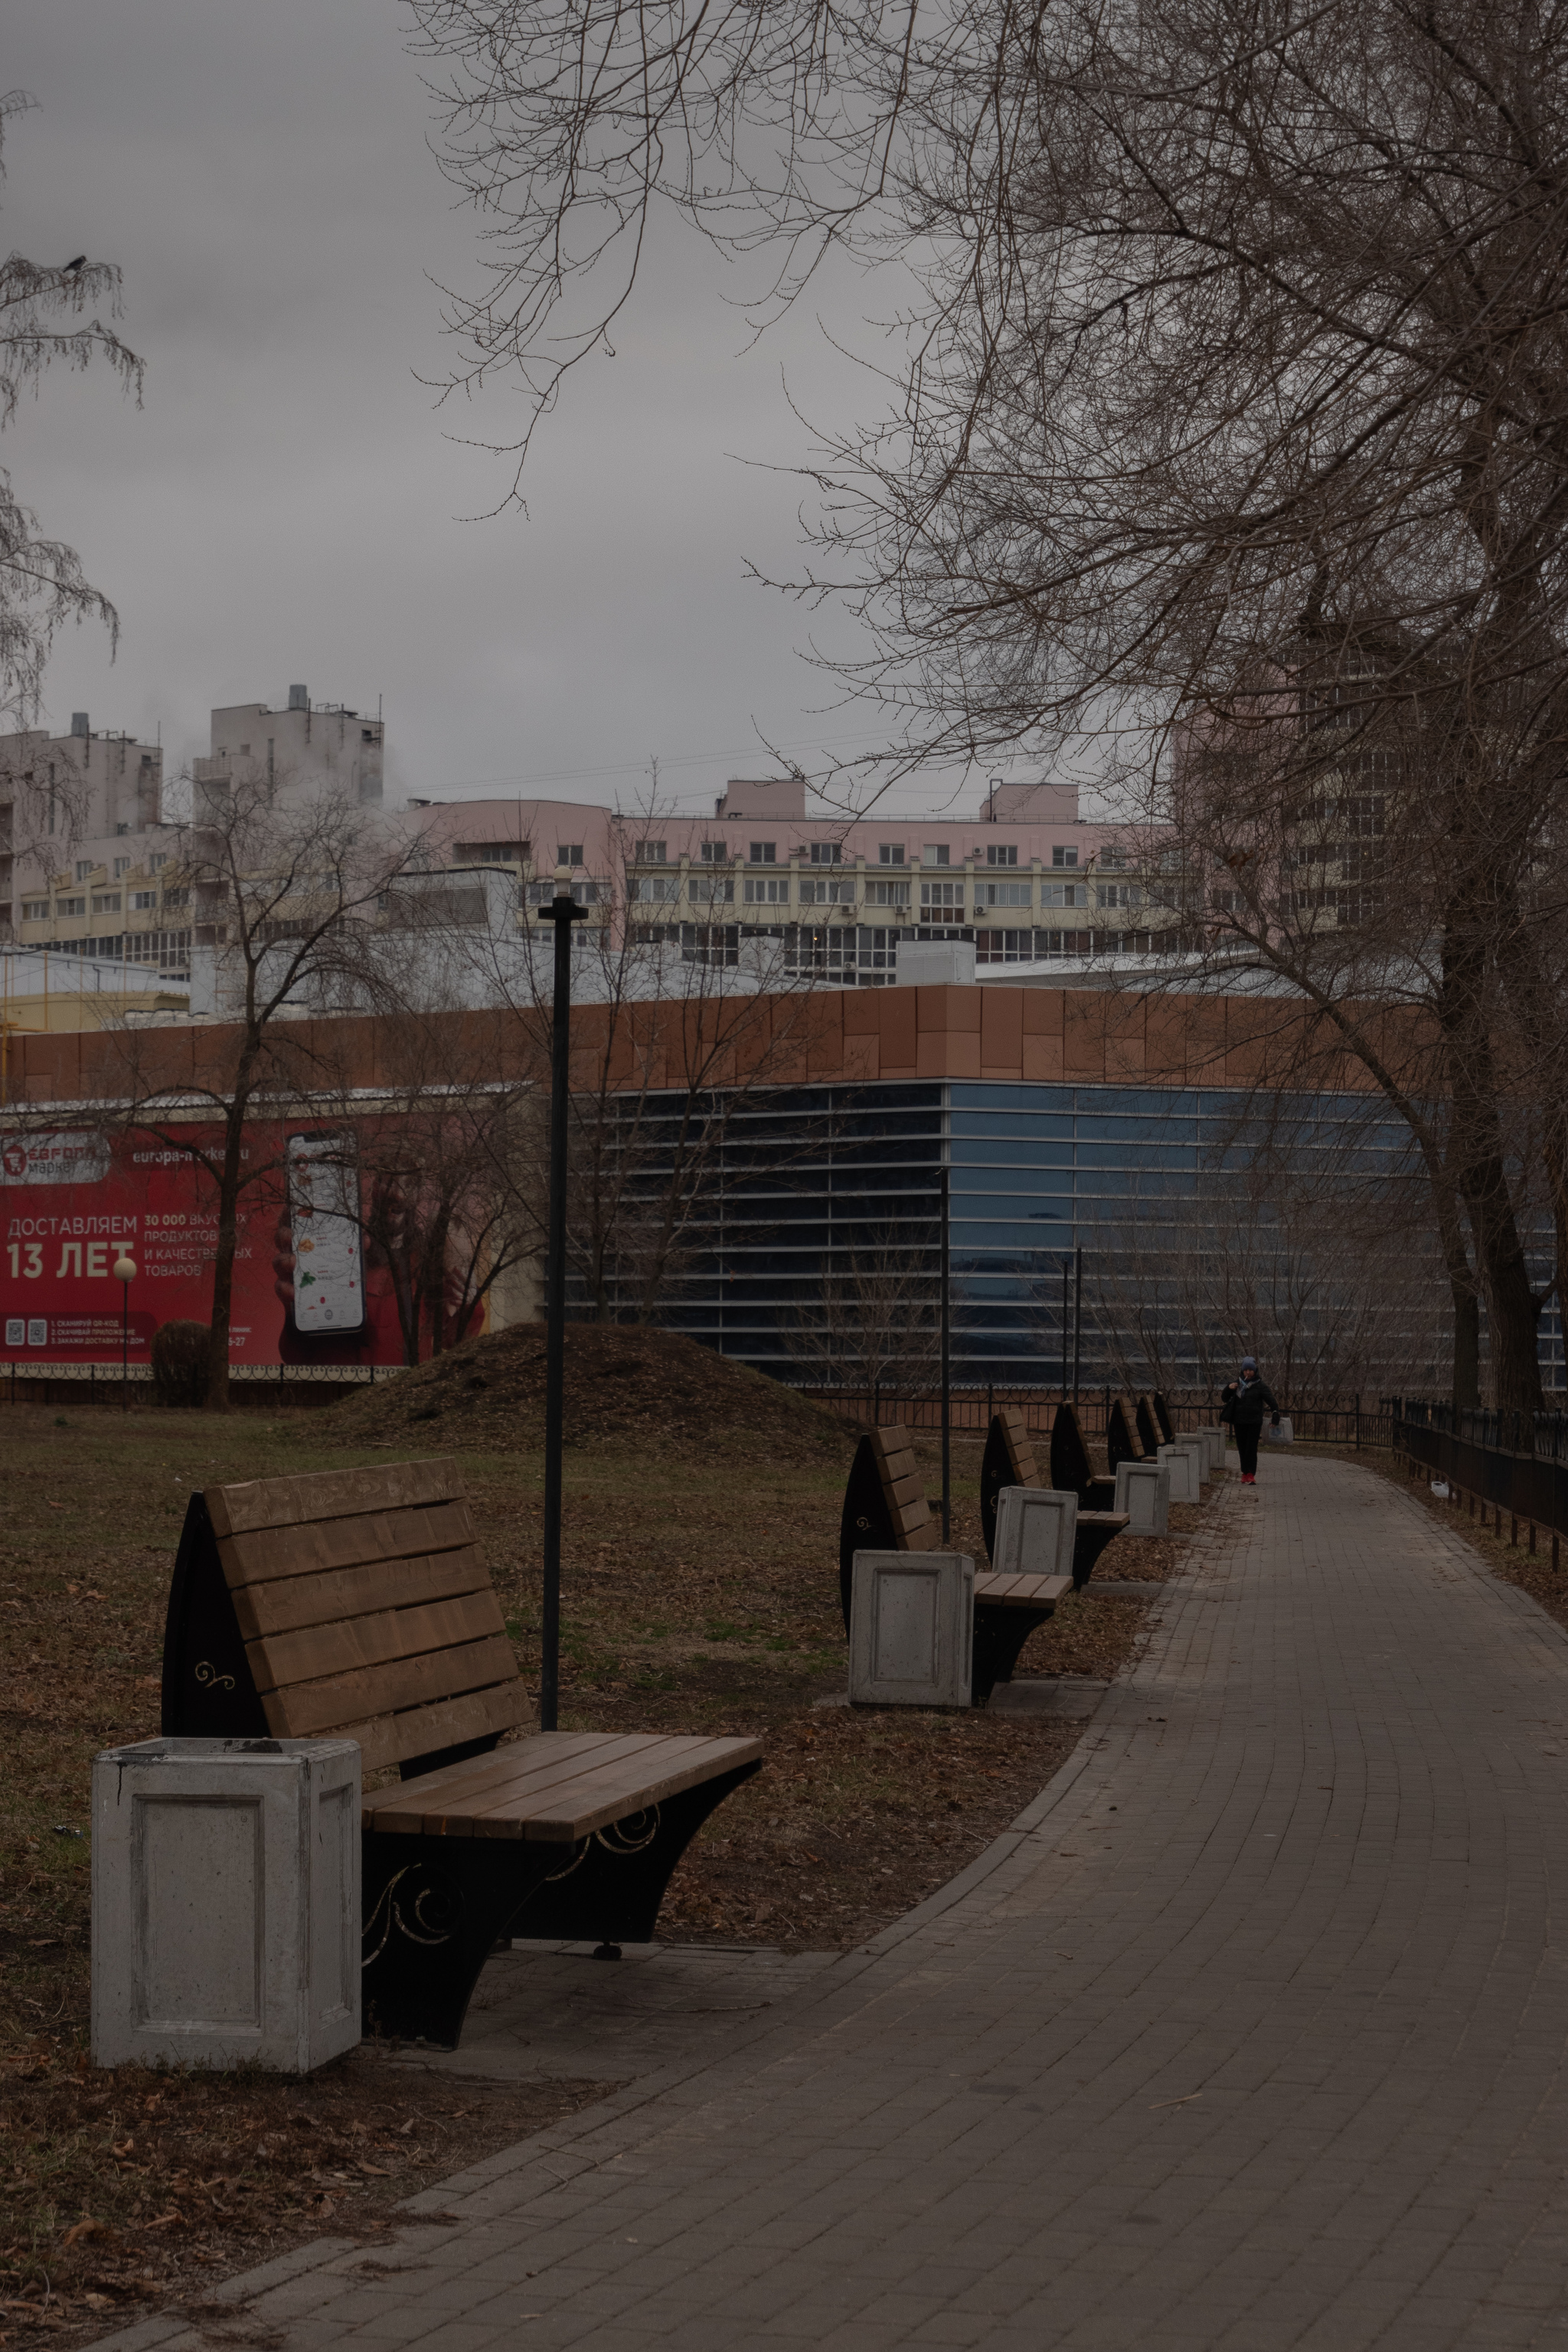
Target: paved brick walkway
1250	2034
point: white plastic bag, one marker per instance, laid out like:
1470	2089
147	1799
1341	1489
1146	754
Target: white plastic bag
1278	1432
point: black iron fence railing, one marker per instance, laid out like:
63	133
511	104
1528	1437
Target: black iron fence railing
971	1407
1512	1466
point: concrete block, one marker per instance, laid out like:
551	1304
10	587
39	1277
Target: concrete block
1144	1492
1184	1461
1214	1436
911	1629
1035	1526
226	1902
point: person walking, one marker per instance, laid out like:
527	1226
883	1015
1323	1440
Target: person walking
1243	1405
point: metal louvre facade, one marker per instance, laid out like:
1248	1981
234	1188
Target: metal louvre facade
820	1182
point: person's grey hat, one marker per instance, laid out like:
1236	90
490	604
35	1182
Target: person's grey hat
1249	1363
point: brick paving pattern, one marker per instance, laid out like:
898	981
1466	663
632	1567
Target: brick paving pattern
1250	2034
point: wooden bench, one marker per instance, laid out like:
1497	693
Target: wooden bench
1162	1413
355	1603
1009	1461
1123	1436
1150	1437
885	1509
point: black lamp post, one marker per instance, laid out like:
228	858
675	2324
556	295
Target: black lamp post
125	1274
562	911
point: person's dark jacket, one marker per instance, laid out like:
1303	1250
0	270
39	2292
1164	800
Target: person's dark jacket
1252	1400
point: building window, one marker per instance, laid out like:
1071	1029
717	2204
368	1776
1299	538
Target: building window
1060	856
568	853
998	854
172	899
1003	894
83	868
1112	859
889	853
652	853
825	893
1064	893
489	852
71	907
827	853
764	853
936	852
106	902
142	899
768	892
887	894
657	889
35	910
711	893
156	864
942	894
123	865
1118	894
715	852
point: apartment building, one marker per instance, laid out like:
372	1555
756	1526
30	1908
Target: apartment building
88	865
1028	878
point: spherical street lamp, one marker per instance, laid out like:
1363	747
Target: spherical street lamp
125	1274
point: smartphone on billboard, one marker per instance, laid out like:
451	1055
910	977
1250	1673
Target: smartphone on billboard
329	1263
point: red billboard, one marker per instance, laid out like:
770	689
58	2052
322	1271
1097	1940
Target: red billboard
308	1286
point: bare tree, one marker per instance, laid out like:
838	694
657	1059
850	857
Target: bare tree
1228	443
684	1042
46	322
873	1321
283	893
449	1159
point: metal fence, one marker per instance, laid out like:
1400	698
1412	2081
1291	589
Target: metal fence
970	1409
260	1385
1469	1450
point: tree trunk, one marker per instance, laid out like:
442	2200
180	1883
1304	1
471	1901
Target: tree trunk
1466	1378
217	1398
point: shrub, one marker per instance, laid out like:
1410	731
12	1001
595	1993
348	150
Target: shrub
180	1361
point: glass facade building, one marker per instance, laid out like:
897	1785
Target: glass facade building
841	1188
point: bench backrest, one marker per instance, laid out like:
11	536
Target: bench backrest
1147	1428
884	1508
1162	1416
366	1610
1123	1441
1071	1466
1009	1461
914	1527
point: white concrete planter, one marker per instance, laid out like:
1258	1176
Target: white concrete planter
911	1629
226	1902
1144	1492
1035	1528
1185	1462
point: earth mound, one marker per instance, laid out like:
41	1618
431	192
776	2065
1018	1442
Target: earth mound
628	1383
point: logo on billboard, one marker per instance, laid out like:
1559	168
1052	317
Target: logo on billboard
62	1158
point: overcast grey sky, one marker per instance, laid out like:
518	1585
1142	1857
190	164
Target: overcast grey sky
285	505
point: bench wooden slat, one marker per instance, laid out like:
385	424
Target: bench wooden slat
603	1797
328	1495
316	1650
553	1798
336	1702
1021	1592
561	1790
272	1553
298	1600
426	1730
424	1806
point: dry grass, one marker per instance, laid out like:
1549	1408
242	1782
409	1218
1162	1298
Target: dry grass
702	1592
